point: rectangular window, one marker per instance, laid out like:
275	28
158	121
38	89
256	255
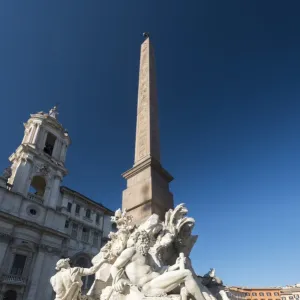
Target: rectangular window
74	231
67	224
95	239
97	218
77	209
50	142
18	265
88	213
85	235
69	207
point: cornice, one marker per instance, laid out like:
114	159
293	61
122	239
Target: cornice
40	155
100	206
82	224
46	120
33	225
149	162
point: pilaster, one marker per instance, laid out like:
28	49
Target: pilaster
34	282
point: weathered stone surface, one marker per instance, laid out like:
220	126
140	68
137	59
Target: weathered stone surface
147	182
149	261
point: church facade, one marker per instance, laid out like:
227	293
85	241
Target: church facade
42	221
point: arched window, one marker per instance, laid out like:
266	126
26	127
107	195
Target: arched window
10	295
50	142
38	186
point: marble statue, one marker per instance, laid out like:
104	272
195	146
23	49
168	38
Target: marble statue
149	261
215	285
7	173
53	112
135	263
67	282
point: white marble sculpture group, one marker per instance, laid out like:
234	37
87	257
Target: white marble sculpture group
146	261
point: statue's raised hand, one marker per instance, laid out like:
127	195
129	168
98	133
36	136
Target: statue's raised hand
120	285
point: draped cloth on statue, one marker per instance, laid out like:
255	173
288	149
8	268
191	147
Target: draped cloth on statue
101	277
67	283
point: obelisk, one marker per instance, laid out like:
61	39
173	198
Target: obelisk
147	181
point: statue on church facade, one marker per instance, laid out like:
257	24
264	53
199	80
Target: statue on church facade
53	112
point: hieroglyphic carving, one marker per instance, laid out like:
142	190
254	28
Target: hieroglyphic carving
147	133
143	130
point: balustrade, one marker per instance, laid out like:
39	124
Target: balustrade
13	279
35	197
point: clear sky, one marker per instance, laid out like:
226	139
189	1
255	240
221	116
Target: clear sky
228	75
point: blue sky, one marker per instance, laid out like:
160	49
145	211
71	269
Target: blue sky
228	76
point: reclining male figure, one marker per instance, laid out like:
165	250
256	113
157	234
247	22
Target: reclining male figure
135	260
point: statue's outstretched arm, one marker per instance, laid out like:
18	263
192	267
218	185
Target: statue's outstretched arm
93	269
122	261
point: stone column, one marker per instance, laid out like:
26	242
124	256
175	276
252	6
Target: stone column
44	139
39	144
21	176
3	248
25	135
91	237
79	232
63	152
32	133
45	289
38	266
55	191
56	149
35	139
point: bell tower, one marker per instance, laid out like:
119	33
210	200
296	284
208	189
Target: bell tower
38	164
